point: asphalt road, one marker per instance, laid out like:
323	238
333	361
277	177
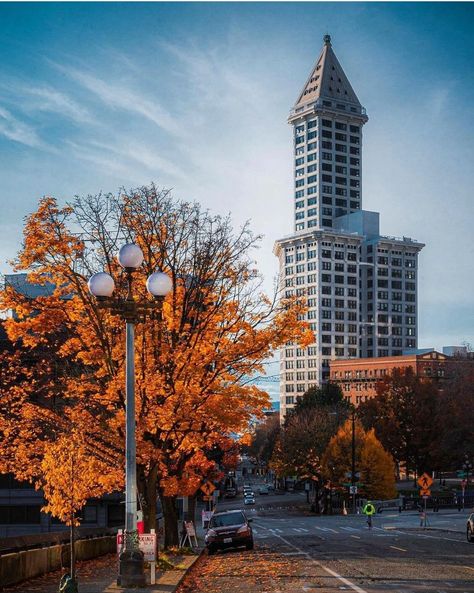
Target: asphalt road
295	553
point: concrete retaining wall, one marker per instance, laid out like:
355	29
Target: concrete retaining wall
27	564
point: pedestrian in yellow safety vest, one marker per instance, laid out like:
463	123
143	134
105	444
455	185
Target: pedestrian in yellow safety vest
368	511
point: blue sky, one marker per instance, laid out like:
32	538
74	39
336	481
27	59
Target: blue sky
195	97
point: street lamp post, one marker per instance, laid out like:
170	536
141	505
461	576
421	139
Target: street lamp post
131	310
467	467
353	468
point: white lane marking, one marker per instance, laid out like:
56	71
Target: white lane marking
350	528
401	549
326	529
448	539
333	573
356	536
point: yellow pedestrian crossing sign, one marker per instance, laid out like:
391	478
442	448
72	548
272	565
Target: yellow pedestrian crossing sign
425	481
208	488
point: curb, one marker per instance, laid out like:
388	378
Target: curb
168	582
428	529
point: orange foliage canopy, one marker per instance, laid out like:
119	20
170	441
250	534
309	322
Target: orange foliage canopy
68	368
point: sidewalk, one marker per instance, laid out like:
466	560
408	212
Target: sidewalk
99	576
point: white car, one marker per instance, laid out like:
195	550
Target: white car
250	499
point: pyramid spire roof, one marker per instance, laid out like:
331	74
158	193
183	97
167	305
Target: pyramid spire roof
327	80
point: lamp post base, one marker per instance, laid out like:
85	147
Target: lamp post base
131	571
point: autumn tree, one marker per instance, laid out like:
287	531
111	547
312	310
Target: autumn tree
215	329
337	457
375	465
455	418
69	473
264	439
302	442
328	397
406	419
377	469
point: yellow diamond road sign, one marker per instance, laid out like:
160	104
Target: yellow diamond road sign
208	488
425	492
425	481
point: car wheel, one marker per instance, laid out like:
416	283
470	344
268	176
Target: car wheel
249	546
210	551
470	538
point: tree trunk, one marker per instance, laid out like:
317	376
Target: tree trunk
73	550
147	486
170	514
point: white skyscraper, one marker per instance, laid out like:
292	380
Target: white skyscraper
361	287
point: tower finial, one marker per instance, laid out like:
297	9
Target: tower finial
327	39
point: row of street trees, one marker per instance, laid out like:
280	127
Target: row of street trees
426	425
63	379
413	422
315	444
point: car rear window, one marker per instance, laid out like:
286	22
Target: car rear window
227	519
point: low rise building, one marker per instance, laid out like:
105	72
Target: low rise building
358	378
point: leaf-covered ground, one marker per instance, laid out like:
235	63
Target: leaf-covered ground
93	577
257	571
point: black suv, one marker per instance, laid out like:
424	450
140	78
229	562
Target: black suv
229	529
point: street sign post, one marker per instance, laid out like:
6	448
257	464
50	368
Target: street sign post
425	481
208	488
147	544
205	517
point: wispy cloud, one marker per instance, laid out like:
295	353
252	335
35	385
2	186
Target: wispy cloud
49	99
31	98
104	161
121	155
118	96
216	75
16	130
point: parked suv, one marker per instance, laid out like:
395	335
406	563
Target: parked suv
470	528
229	529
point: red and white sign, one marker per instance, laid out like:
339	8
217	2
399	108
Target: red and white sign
205	517
146	543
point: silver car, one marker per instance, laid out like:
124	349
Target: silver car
470	528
